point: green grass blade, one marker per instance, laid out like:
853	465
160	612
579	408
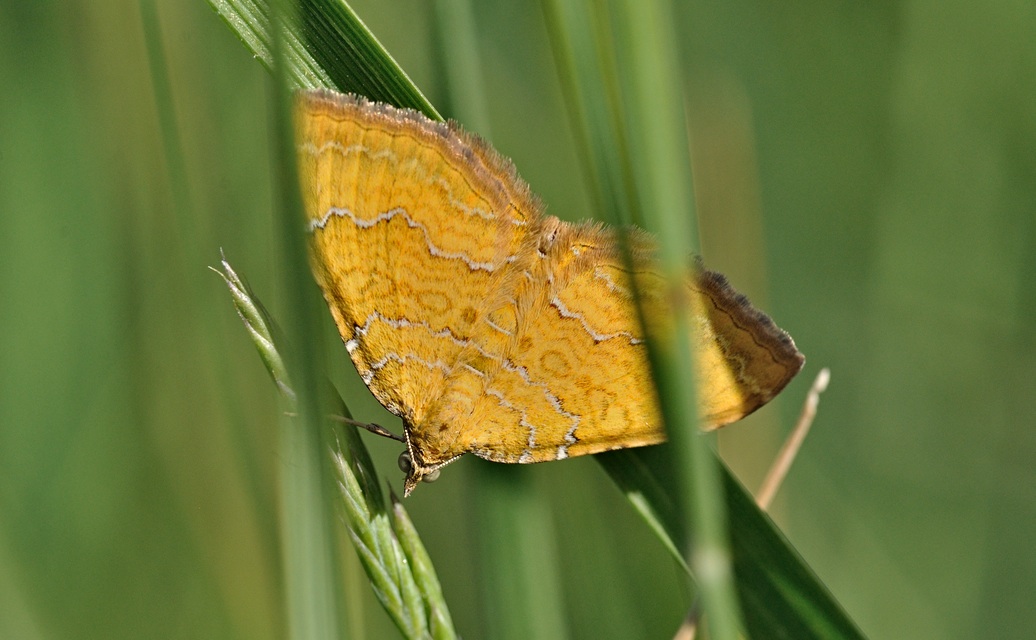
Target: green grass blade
661	163
590	46
353	58
661	170
516	532
781	596
581	66
640	475
457	41
250	20
393	556
420	564
517	551
312	586
326	46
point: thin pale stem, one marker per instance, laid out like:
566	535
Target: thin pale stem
781	465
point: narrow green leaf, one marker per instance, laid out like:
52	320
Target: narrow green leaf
250	20
312	587
515	531
781	596
425	578
660	160
326	46
400	572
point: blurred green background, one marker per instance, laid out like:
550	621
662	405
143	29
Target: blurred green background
866	173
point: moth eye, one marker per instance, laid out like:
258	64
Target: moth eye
404	462
406	465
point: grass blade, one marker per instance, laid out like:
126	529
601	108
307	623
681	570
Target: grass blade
326	46
390	550
516	531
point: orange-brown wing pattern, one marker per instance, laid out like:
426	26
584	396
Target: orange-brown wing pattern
402	211
490	328
743	358
574	378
